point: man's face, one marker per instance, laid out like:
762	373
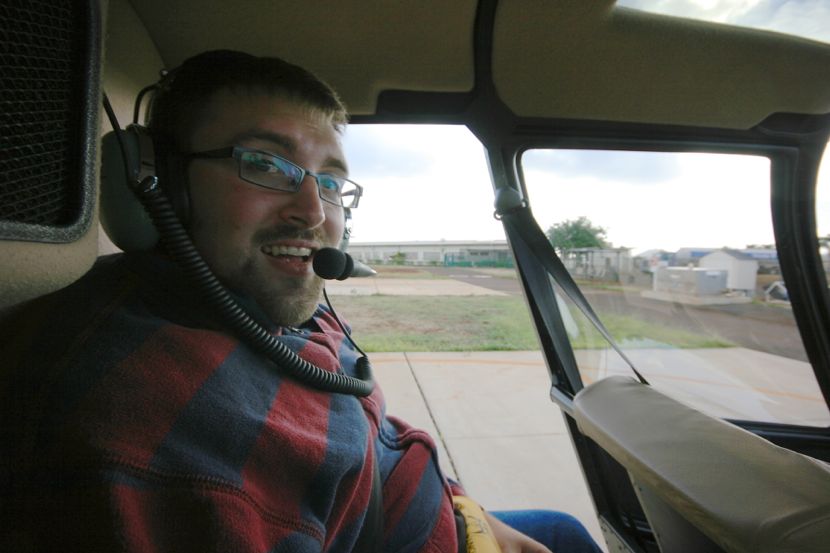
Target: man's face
258	241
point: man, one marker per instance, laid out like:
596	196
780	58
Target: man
141	423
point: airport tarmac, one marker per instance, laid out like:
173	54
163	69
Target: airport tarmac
407	287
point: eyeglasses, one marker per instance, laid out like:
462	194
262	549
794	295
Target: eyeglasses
277	173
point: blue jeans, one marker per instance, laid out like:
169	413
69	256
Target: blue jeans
559	532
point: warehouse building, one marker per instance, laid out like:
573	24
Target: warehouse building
464	253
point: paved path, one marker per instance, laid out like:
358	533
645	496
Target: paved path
501	280
495	426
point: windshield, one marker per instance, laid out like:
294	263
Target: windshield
676	253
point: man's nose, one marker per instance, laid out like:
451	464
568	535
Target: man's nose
304	207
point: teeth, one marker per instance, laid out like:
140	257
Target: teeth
286	250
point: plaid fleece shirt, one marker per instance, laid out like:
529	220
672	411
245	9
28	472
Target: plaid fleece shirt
132	422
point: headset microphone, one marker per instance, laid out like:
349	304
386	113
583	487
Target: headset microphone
334	264
331	263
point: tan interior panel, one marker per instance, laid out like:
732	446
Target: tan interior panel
424	45
589	60
131	60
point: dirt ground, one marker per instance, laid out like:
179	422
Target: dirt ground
763	327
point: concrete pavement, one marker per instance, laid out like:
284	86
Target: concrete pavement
497	431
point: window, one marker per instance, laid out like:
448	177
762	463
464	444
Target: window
453	324
676	253
422	183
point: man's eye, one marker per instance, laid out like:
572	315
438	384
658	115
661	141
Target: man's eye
265	165
329	182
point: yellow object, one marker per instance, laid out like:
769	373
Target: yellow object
480	537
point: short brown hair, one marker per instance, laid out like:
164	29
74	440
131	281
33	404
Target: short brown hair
181	95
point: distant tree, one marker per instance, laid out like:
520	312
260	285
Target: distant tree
398	258
577	233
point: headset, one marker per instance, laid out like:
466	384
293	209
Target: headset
145	200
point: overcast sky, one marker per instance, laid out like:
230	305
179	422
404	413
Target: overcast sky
436	177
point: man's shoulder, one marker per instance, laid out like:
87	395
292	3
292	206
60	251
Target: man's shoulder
109	319
100	308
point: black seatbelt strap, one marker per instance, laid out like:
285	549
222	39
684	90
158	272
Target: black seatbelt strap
547	303
530	244
370	538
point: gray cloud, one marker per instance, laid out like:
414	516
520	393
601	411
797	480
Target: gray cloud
629	167
369	153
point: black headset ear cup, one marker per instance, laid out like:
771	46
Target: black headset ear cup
122	215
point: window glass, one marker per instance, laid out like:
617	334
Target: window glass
446	281
808	19
446	317
423	182
675	251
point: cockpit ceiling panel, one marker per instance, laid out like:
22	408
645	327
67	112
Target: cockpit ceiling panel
563	58
359	47
592	61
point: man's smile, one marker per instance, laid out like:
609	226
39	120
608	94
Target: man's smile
294	251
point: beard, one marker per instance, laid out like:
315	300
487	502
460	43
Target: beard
288	301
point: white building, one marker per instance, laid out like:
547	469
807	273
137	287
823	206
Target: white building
741	269
475	253
689	281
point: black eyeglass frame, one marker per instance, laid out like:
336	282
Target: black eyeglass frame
236	152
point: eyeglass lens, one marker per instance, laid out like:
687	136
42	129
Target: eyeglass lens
277	173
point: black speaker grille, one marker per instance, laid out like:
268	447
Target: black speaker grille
40	61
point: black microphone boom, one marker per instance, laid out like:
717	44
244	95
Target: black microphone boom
331	263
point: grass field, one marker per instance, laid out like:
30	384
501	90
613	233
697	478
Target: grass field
481	323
